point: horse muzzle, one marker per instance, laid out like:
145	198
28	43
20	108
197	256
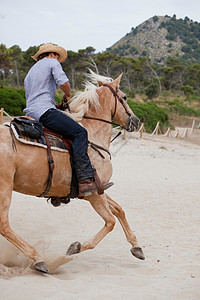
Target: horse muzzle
132	123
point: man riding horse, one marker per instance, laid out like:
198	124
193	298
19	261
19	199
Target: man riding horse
40	85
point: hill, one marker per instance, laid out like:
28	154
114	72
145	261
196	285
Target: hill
161	37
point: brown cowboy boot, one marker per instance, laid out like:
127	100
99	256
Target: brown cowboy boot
87	186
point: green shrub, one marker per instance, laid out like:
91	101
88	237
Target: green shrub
150	114
177	106
12	101
21	92
155	19
188	90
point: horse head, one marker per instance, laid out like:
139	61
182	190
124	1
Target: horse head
119	108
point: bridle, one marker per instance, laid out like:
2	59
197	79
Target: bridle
117	98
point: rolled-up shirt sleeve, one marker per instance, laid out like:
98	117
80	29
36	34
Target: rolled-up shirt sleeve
58	73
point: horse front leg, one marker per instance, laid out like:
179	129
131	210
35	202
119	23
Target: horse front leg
100	205
116	209
10	235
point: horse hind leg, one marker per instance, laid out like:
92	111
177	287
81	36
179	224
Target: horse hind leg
116	209
100	205
9	234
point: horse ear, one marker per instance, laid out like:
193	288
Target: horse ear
116	82
100	83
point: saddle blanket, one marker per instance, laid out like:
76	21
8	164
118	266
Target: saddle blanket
55	142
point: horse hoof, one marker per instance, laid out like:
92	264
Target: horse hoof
41	267
137	252
74	248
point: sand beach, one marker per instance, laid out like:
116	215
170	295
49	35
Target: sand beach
157	183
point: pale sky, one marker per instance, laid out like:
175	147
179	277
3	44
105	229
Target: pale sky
77	24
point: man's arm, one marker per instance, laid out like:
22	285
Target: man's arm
66	89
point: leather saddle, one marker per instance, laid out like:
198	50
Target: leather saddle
31	130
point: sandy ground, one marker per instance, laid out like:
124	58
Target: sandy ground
157	182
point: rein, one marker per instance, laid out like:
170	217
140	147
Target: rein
105	121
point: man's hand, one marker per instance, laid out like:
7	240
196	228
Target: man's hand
65	99
66	89
64	104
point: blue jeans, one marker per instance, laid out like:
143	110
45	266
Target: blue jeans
57	121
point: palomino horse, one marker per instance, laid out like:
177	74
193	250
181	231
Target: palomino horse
26	169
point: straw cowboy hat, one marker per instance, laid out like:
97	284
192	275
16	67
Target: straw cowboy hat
48	47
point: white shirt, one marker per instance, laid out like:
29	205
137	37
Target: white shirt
40	85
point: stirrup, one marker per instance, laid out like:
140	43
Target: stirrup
96	189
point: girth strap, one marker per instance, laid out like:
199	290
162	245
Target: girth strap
51	167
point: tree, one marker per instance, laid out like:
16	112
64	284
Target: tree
174	74
193	76
77	64
125	65
152	90
27	61
157	77
5	61
17	59
71	65
104	62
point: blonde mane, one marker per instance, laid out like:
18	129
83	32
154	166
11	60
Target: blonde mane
81	101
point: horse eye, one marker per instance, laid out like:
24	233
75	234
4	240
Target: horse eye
125	98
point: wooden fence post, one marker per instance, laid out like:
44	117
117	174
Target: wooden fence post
176	135
168	132
124	135
141	130
156	129
192	128
185	133
1	116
